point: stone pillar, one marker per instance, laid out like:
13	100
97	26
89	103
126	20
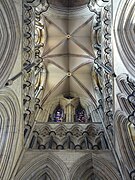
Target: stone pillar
68	113
51	141
68	141
27	132
87	144
33	143
110	130
103	141
72	113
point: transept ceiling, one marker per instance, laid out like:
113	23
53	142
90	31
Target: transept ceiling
68	54
65	69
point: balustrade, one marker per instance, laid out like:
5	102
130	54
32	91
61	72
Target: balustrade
88	139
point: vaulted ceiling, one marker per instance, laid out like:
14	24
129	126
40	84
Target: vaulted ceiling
68	53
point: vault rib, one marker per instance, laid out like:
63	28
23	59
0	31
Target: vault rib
85	89
81	65
51	22
50	50
60	67
81	26
82	47
53	89
66	54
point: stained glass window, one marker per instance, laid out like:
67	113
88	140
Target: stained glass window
80	114
58	114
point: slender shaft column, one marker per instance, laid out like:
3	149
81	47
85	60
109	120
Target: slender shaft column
85	134
27	132
33	143
52	134
103	141
69	140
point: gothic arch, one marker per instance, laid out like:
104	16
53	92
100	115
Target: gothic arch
9	132
88	165
123	84
125	142
10	38
124	34
124	103
50	164
82	143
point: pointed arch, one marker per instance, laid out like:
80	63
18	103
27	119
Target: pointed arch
124	103
123	84
10	39
126	146
46	163
124	34
10	115
91	164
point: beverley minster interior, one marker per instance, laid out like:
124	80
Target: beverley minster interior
67	89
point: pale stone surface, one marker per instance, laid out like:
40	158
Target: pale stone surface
69	157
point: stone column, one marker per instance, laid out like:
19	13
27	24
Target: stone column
33	143
68	135
110	130
51	141
68	113
103	141
87	144
27	132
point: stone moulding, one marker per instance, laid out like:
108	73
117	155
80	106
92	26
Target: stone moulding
124	34
49	163
10	39
10	116
125	143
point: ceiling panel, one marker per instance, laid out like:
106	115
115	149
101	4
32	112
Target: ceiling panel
68	57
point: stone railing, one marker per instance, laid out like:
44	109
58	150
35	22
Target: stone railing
63	137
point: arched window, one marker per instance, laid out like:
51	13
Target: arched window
80	114
58	114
